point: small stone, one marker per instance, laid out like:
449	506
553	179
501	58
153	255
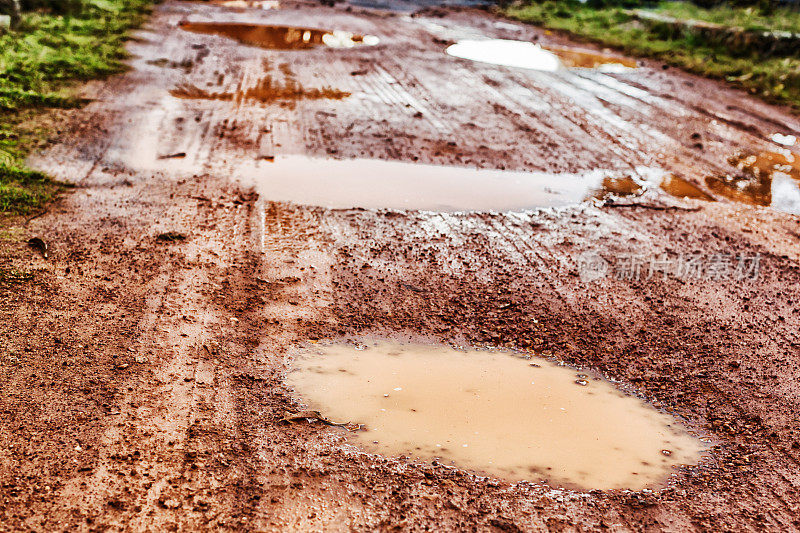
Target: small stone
170	503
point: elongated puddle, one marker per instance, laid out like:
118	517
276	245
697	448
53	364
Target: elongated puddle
280	37
379	184
523	54
265	90
248	4
494	412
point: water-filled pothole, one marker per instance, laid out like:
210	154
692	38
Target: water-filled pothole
494	412
680	188
523	54
248	4
380	184
585	59
766	179
280	37
783	139
266	90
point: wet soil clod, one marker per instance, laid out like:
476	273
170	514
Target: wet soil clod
40	245
171	236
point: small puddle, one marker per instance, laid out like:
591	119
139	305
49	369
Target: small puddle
523	54
248	4
671	184
379	184
785	140
770	179
767	164
680	188
280	37
618	186
495	413
266	90
582	59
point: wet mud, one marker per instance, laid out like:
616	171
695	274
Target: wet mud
143	378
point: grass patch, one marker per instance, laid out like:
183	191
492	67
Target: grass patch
775	79
749	18
22	189
40	61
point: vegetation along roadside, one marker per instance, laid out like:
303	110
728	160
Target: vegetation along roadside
756	48
51	45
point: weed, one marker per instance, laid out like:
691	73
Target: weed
52	48
775	79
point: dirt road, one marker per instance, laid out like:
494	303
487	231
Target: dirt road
141	368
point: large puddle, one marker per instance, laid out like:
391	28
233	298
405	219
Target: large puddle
379	184
497	413
280	37
523	54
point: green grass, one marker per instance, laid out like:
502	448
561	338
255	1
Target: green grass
776	79
39	64
22	189
749	18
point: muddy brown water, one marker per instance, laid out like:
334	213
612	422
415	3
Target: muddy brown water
381	184
571	57
248	4
523	54
280	37
496	413
265	90
764	179
681	188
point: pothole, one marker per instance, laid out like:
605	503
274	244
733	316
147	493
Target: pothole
523	54
770	179
248	4
585	59
380	184
785	140
266	90
671	184
496	413
281	37
680	188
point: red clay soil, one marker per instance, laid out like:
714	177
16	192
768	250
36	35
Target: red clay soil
141	372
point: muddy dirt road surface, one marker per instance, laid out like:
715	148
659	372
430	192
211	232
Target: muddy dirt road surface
142	368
